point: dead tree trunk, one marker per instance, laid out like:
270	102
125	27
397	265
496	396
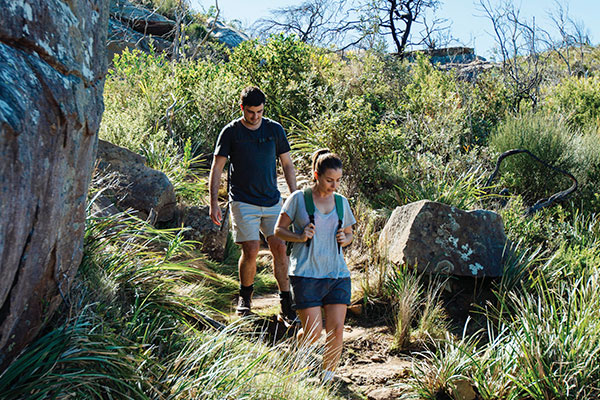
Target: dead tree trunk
53	64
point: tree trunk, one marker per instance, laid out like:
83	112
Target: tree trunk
52	64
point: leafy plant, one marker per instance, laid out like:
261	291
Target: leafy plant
547	137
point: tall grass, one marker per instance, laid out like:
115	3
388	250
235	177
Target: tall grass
136	327
463	190
542	343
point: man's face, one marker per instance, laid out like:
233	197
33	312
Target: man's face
253	115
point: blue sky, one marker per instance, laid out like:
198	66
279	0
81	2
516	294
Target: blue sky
468	23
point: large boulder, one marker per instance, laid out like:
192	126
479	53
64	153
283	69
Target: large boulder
226	34
121	37
140	18
139	187
52	63
199	227
437	238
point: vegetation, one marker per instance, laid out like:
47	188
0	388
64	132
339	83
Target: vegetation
136	323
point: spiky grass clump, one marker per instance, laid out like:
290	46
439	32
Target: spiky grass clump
136	333
543	342
419	316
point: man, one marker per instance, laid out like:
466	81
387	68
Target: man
253	145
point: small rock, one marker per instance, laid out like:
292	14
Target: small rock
462	390
356	309
377	358
383	394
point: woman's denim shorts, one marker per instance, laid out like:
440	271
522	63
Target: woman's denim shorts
316	292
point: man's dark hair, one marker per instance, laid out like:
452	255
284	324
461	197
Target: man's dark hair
252	96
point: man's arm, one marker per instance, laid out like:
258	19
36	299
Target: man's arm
288	170
213	188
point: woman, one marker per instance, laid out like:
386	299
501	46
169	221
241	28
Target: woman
319	275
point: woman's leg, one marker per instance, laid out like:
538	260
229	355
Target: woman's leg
311	325
335	314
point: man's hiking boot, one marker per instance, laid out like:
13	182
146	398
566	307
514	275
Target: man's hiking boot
244	306
287	314
289	320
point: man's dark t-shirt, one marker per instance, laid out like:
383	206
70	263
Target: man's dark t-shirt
253	156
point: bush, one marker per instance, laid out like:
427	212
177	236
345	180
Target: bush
366	147
288	70
548	138
587	159
578	99
149	101
435	118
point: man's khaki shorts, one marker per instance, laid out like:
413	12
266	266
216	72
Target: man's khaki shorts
248	219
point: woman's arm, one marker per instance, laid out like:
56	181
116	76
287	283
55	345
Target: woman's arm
283	232
344	236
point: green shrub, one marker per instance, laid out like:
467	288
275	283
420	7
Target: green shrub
189	187
578	99
545	136
288	70
587	159
149	101
135	97
366	147
463	191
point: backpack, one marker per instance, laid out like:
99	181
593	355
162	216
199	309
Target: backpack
310	209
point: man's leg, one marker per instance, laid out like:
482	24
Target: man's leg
280	270
247	262
280	263
245	220
247	271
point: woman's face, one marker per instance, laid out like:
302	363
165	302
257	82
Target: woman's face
329	180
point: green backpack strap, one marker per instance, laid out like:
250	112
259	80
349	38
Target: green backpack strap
339	208
310	208
308	202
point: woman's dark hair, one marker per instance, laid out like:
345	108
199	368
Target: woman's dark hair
252	96
324	159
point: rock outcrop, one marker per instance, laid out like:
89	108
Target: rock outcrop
52	63
138	187
437	238
225	34
200	228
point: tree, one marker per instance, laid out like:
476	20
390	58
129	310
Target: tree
359	23
520	46
313	21
398	19
573	38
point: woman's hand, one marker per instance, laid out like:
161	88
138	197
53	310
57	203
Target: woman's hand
344	236
341	236
309	232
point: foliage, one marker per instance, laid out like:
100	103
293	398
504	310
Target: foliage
150	101
578	99
419	318
463	191
548	138
365	146
289	71
188	185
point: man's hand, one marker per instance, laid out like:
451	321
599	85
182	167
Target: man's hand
215	214
309	232
213	188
